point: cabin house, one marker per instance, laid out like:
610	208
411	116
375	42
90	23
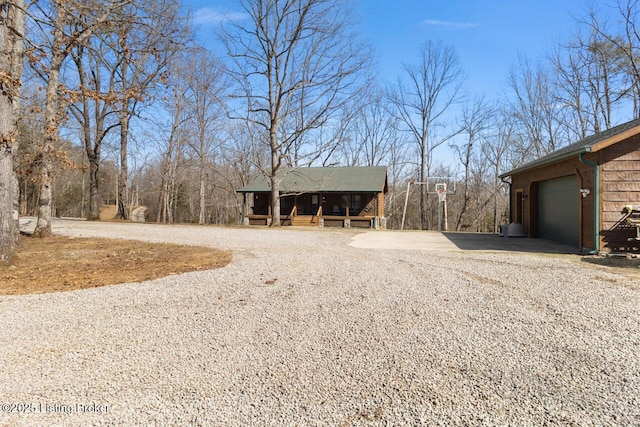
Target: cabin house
320	196
583	194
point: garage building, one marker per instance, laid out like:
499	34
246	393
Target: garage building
576	195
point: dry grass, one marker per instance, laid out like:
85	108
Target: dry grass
63	264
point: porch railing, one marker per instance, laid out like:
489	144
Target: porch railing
318	214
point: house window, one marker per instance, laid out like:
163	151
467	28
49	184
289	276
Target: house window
355	203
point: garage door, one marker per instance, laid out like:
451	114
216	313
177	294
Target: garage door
559	210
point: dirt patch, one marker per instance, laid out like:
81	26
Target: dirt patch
63	264
108	212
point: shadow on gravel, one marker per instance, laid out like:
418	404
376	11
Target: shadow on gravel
493	242
632	264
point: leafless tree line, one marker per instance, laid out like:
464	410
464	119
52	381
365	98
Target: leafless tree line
119	105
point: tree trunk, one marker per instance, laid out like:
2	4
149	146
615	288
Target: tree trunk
7	238
173	188
275	201
201	217
43	225
7	225
275	180
16	207
423	200
94	190
123	208
17	58
275	198
163	197
11	16
466	197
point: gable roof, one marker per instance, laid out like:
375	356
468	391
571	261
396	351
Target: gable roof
324	180
591	143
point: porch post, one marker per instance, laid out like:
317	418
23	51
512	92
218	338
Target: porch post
375	211
244	208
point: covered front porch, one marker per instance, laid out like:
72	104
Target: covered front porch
320	197
319	210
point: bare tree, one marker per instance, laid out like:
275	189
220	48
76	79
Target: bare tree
474	121
12	20
376	130
172	139
397	161
572	92
624	43
495	149
71	23
296	64
148	37
206	81
434	85
535	107
95	95
590	82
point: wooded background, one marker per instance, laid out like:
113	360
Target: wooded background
119	106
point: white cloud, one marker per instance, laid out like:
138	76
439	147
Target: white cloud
450	24
206	15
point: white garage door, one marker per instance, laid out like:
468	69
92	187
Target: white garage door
559	210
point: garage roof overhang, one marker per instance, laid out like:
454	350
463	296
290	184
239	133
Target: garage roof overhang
590	144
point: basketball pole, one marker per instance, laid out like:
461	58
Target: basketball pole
406	200
440	213
442	206
446	218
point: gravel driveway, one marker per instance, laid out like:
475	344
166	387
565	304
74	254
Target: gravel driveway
303	329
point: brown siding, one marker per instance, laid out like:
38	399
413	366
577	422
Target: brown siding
625	165
620	186
620	183
380	212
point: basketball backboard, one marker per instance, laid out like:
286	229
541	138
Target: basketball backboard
439	183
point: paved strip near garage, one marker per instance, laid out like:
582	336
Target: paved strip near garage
451	242
404	240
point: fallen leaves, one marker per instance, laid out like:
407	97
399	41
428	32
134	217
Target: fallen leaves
59	263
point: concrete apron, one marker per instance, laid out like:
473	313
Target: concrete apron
434	241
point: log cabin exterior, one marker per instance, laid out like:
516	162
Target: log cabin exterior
321	197
576	195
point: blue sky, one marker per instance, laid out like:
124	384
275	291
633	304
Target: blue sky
487	34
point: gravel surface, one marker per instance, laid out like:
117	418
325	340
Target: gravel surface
302	329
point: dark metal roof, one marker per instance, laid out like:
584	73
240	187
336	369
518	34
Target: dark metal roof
575	149
324	180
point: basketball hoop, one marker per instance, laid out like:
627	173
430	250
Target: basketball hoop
441	191
438	185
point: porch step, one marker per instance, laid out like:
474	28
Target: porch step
305	220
